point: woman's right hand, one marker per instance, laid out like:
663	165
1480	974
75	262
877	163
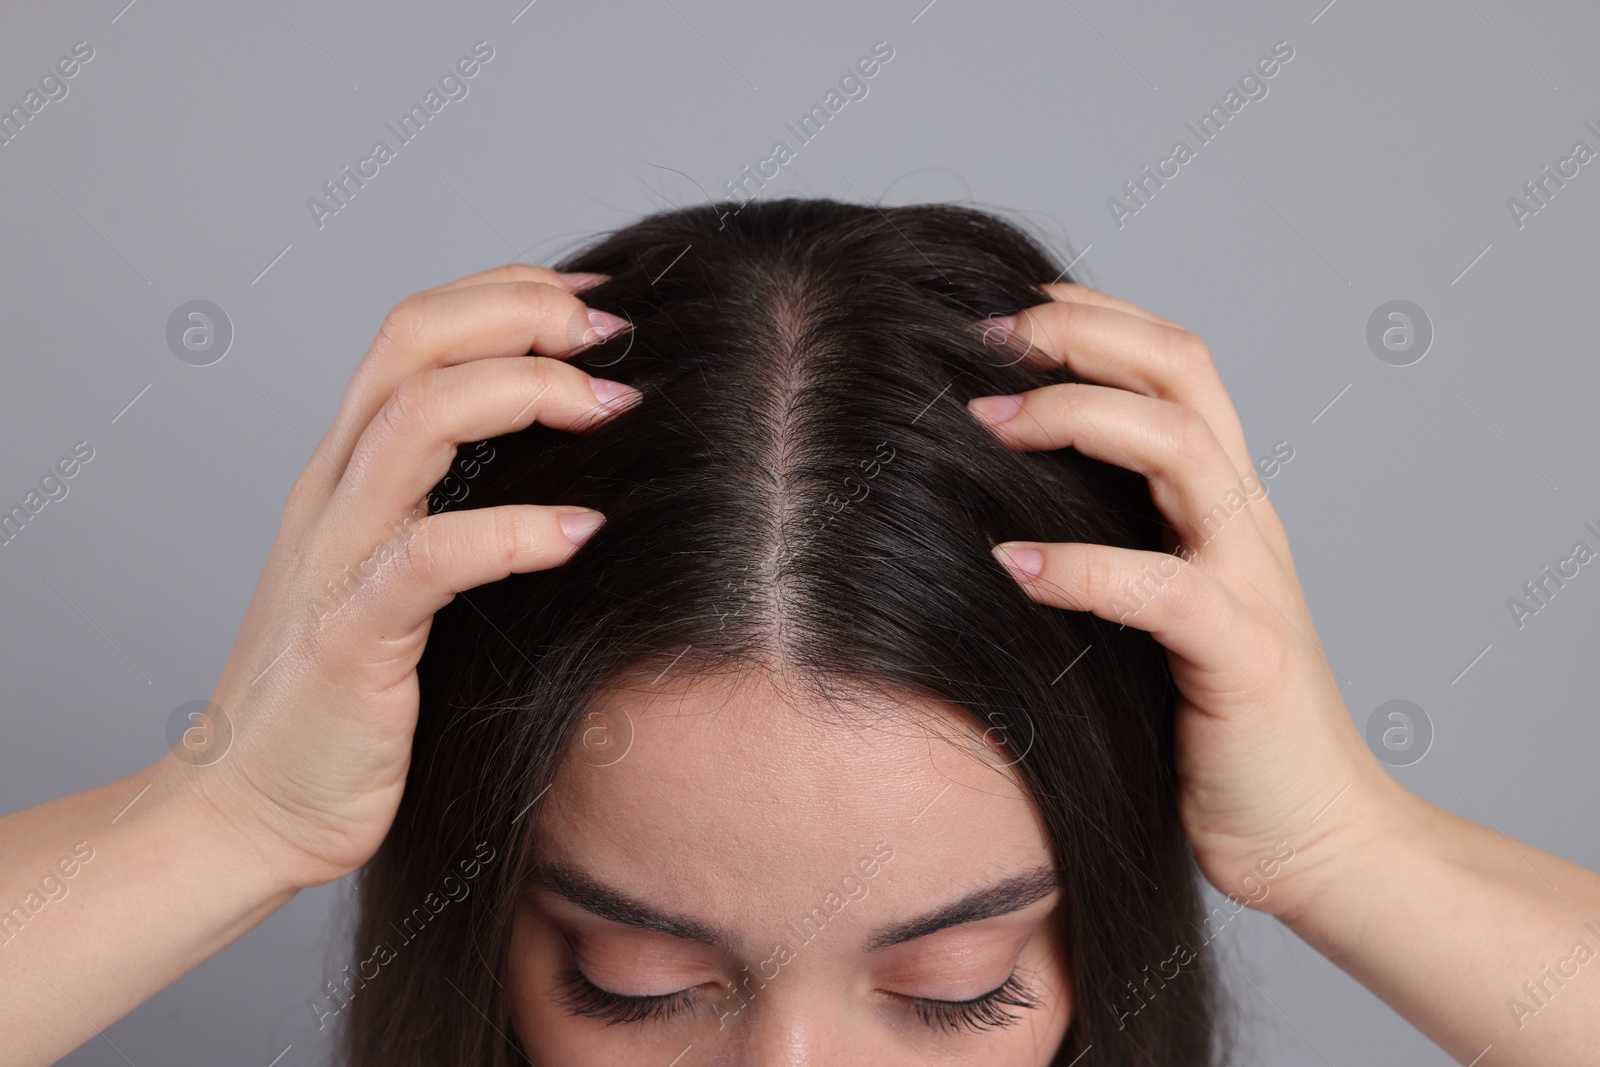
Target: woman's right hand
321	690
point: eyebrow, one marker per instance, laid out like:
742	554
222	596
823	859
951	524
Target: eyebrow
991	902
592	895
589	893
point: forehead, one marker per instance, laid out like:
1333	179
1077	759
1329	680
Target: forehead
730	794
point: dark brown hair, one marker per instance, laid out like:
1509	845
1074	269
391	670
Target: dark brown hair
786	351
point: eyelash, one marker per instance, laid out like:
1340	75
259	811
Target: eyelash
986	1012
582	997
989	1011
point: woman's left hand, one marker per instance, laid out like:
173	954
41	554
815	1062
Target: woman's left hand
1269	761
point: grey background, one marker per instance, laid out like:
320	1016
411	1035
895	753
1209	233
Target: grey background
1378	167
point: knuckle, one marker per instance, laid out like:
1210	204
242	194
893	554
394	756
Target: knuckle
545	304
1053	325
420	553
524	272
1066	397
400	326
1188	434
1277	653
551	291
1090	574
541	374
1189	352
407	409
300	502
535	289
507	533
537	295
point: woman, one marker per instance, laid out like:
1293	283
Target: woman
937	633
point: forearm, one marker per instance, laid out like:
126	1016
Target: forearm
110	895
1481	942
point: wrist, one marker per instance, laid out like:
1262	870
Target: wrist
198	803
1373	831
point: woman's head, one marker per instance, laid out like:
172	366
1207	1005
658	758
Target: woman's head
782	755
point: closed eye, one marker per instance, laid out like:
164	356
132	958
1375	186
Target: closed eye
990	1011
580	996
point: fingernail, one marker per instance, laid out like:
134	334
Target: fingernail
1023	563
578	281
602	324
578	525
995	409
998	329
613	395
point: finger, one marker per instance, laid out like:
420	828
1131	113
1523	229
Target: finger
1191	479
1158	592
525	272
1114	347
411	443
435	329
1082	294
424	566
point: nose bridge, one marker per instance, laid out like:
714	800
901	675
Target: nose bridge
780	1043
801	1024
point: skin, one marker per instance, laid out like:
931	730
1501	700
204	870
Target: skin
1446	921
741	805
